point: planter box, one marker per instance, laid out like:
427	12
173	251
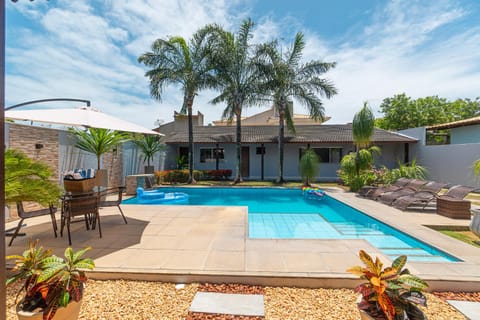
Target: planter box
453	208
71	312
77	186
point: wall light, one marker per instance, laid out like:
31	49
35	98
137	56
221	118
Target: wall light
38	146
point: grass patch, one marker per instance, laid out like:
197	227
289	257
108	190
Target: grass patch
460	233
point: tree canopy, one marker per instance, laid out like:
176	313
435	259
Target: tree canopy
402	112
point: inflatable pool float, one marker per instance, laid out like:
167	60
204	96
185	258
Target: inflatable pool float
159	197
313	193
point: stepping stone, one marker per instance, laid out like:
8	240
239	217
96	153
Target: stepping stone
469	309
227	303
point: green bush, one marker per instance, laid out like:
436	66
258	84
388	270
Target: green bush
176	176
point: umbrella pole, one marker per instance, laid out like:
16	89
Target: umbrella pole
3	275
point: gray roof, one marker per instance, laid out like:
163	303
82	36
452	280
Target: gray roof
340	133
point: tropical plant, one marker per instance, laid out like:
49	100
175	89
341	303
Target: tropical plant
309	166
98	141
392	291
285	77
412	171
28	180
149	145
49	282
235	77
476	167
181	162
174	61
363	126
356	168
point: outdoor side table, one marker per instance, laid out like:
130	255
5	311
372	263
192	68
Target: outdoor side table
453	208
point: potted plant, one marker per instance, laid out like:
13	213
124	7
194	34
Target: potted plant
149	145
53	286
99	141
390	293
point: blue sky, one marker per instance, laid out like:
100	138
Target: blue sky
88	49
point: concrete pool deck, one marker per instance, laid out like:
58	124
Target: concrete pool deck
211	244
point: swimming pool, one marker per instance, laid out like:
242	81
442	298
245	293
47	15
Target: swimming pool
275	213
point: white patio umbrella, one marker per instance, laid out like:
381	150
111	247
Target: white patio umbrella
83	116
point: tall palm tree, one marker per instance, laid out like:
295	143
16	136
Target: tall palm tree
174	61
286	77
235	77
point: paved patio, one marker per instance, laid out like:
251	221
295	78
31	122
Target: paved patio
194	243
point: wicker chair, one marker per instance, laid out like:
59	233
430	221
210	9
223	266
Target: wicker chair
116	194
32	214
452	205
83	205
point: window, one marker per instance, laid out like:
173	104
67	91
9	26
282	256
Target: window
208	154
260	150
326	155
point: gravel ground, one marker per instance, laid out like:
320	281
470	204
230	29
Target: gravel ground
115	300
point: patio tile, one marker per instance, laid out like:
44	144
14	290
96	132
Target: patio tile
225	261
234	244
264	261
186	260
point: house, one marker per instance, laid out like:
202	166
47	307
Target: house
215	147
451	161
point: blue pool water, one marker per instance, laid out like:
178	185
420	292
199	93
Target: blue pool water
287	214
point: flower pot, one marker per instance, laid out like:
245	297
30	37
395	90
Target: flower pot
475	223
149	169
71	312
366	316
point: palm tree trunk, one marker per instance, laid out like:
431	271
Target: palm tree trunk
191	178
238	178
98	162
281	134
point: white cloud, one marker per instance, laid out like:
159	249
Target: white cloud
88	49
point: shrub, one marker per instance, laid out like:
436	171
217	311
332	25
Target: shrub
217	174
176	176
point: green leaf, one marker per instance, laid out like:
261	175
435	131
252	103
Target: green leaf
399	262
64	299
412	281
85	264
79	253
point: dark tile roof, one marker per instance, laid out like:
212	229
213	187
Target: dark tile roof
456	124
324	133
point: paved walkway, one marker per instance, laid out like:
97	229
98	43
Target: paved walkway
193	243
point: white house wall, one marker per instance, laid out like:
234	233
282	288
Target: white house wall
391	153
450	163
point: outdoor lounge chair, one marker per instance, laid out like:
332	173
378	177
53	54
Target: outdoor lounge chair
421	198
374	192
113	198
412	187
31	214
